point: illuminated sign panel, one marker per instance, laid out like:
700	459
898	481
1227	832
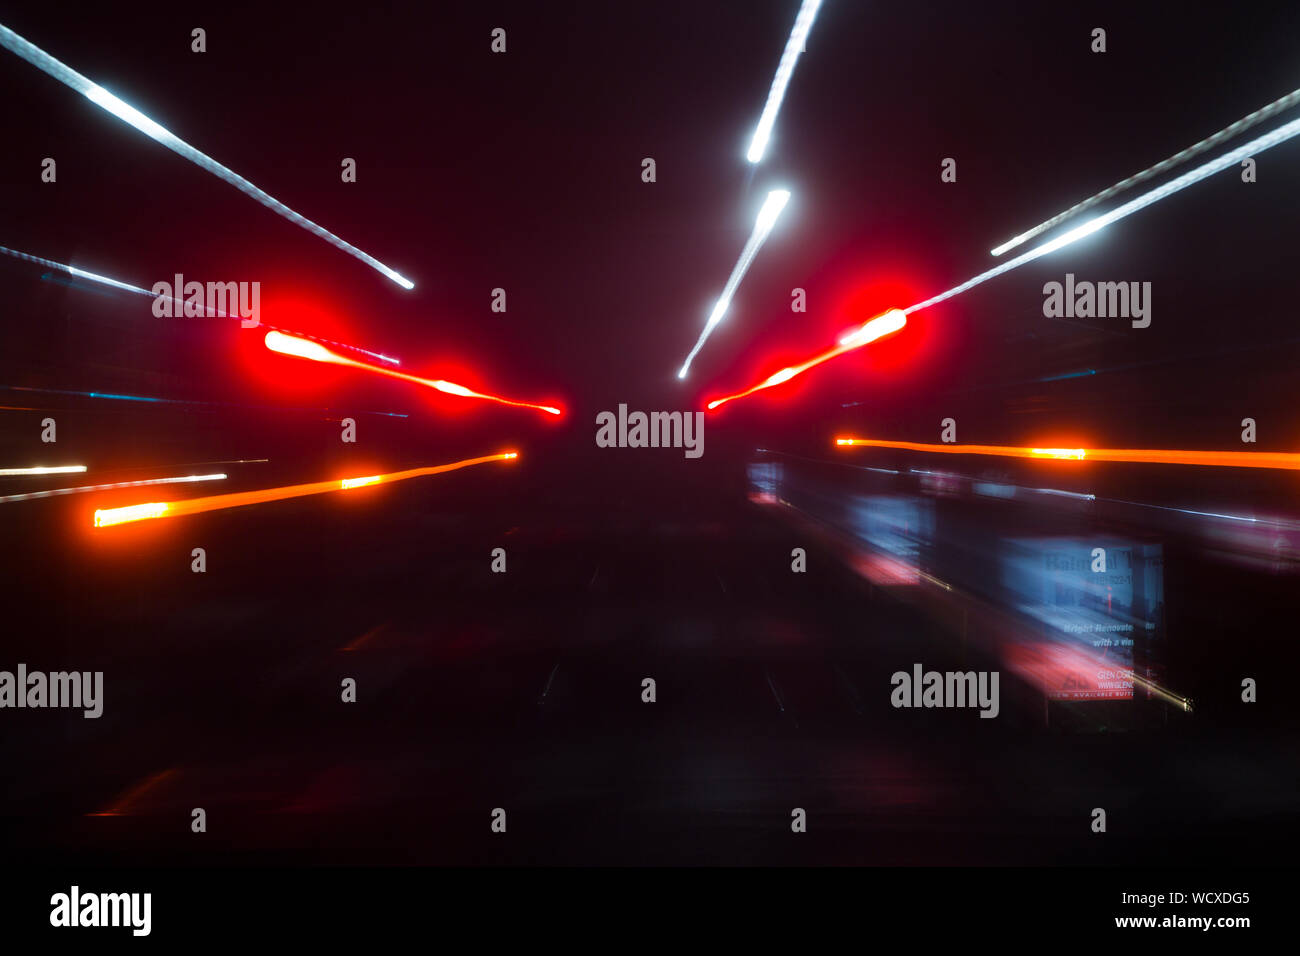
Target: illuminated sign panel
1099	604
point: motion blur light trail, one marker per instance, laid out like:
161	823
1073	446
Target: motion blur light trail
882	325
803	22
1164	191
127	287
108	517
54	492
767	216
117	397
1227	160
1240	126
74	271
1157	456
124	111
121	806
301	348
41	470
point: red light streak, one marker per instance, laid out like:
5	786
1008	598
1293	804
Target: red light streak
304	348
877	328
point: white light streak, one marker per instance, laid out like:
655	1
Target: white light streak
54	492
127	287
1228	159
1182	156
42	470
785	69
767	217
882	325
129	114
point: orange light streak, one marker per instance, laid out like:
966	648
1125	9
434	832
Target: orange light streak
108	517
1286	461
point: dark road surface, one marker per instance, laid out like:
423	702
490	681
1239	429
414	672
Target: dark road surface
522	691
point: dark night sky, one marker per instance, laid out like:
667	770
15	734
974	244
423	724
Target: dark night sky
522	171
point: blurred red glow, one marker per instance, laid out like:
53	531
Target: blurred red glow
316	352
852	301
